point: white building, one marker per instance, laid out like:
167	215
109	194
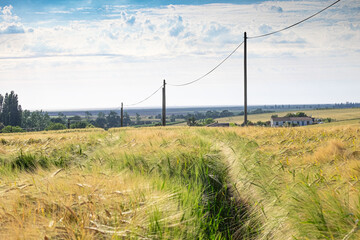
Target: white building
287	121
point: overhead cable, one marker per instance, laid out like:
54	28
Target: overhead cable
293	25
203	76
133	104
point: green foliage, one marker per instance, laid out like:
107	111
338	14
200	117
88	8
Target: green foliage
298	114
11	129
113	120
328	120
56	126
208	121
36	120
10	110
138	119
81	124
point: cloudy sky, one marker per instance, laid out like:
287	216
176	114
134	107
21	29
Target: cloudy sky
73	54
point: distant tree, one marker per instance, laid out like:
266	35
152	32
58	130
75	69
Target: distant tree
55	126
113	119
127	120
37	120
226	113
290	115
11	111
191	121
101	120
138	119
58	120
172	118
81	124
12	129
1	103
208	121
88	115
63	117
75	118
301	114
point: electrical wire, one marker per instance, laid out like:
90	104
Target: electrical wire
218	65
134	104
293	25
206	74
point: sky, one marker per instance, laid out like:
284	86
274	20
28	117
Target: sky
88	54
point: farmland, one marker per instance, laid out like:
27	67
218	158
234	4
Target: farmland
348	114
182	183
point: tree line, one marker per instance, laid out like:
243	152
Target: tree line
14	119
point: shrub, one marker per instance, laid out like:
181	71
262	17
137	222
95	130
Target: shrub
11	129
79	125
56	126
208	121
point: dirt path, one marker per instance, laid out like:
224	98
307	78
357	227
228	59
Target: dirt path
246	227
230	160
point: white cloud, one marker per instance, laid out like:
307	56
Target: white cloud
177	29
180	43
10	23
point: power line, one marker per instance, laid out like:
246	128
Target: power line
218	65
133	104
293	25
203	76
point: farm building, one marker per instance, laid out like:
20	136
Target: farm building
288	121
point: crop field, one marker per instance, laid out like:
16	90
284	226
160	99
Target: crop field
349	114
181	183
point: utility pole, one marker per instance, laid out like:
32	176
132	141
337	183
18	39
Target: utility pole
245	80
163	105
122	115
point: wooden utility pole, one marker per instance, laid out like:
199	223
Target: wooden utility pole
245	80
164	105
122	115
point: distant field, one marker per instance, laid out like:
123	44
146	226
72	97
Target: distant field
182	183
337	114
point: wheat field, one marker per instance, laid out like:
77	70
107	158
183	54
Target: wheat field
181	183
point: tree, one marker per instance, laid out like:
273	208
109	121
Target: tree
172	118
10	110
11	129
101	120
1	103
127	120
56	126
138	119
113	119
80	124
88	115
37	120
191	121
301	114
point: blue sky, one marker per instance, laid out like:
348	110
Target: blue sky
97	54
